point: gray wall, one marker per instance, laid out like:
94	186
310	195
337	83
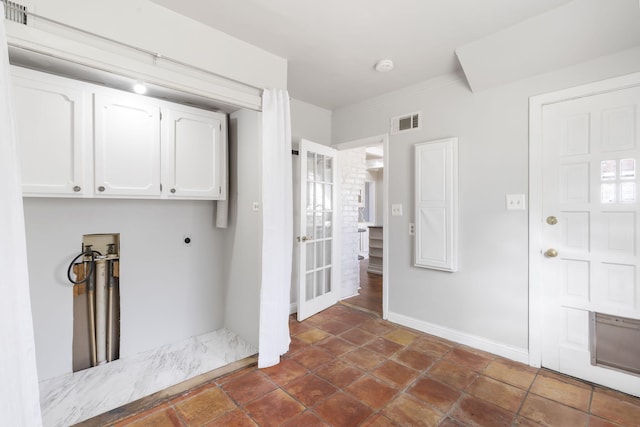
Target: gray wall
169	291
488	297
310	122
314	124
243	250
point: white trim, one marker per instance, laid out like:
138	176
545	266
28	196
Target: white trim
536	104
385	228
133	64
293	308
355	294
513	353
357	143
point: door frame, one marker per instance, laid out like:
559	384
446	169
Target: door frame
536	104
363	142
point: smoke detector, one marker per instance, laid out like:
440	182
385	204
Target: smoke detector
384	65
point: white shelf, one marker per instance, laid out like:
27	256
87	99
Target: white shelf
375	249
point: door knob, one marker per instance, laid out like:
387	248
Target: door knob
552	220
551	253
304	238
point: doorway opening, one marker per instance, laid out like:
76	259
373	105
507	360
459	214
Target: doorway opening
362	207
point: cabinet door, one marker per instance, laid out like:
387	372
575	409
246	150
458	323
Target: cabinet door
127	146
50	125
194	154
436	201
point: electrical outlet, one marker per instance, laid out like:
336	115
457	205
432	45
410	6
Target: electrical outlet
187	240
515	202
256	206
396	210
412	229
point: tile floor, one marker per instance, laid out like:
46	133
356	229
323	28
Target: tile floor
370	293
348	367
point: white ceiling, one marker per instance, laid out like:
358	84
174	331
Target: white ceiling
332	45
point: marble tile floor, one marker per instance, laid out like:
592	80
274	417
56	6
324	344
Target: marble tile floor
71	398
347	367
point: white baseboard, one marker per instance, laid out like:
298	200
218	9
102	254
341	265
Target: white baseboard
514	353
293	307
350	296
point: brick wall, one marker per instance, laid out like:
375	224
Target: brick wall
352	175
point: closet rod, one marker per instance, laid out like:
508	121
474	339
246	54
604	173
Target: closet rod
14	7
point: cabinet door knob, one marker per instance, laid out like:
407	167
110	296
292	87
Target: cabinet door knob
77	188
173	190
101	188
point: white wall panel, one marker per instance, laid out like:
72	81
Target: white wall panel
620	285
575	135
621	233
576	279
619	131
576	226
436	200
574	183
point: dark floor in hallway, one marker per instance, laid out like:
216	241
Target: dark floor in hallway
347	367
370	294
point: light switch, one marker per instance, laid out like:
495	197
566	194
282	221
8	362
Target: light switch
396	210
515	202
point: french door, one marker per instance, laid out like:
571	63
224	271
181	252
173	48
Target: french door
316	236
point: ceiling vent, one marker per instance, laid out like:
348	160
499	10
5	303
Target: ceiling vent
15	12
406	122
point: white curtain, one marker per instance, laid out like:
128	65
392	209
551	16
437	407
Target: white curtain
277	220
19	396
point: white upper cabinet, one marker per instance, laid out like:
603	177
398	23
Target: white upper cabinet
80	139
51	126
127	146
192	144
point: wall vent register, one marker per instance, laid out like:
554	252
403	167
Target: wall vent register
406	122
15	12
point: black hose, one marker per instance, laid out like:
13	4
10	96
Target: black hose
91	268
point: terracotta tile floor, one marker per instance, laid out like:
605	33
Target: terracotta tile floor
375	373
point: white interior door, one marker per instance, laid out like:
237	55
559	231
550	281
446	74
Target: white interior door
316	236
590	230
